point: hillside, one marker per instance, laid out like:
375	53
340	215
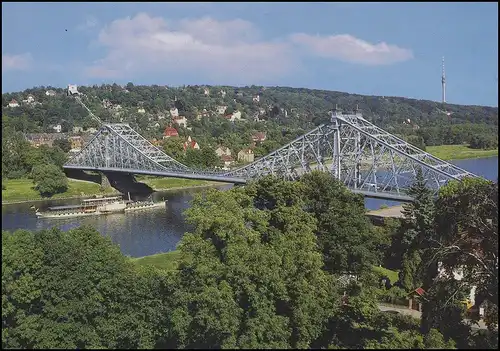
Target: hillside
282	112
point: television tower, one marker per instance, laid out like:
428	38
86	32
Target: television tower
443	84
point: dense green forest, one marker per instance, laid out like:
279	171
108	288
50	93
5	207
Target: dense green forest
282	112
263	267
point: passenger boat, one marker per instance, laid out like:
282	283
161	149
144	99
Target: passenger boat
142	205
88	207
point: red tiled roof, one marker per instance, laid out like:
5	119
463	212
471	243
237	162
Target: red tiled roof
420	291
226	158
191	144
169	131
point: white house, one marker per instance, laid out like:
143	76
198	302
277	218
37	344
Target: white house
50	93
57	128
30	99
236	115
77	130
141	110
228	161
206	91
13	103
223	150
174	112
223	93
73	89
180	121
221	109
256	98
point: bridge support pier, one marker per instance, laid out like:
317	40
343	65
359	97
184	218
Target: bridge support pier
105	181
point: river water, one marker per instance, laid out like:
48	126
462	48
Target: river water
159	230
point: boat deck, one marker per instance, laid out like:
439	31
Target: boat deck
67	207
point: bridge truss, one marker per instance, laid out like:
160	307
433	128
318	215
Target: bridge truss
364	157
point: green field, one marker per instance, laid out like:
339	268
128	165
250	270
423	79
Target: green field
392	275
167	261
22	189
169	183
459	152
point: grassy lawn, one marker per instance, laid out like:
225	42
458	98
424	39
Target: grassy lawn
22	189
167	261
459	152
392	275
168	183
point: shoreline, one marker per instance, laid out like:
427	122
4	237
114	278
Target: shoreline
87	196
209	184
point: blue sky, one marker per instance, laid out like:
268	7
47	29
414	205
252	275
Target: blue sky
366	48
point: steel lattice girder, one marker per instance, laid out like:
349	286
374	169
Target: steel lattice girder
368	159
364	157
119	146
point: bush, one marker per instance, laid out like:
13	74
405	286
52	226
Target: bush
49	180
394	295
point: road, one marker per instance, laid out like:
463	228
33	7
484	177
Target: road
417	314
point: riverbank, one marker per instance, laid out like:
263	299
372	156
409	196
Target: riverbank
459	152
21	190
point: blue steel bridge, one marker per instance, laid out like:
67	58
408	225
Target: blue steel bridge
366	158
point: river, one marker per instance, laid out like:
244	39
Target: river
159	230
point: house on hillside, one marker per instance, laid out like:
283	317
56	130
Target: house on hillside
73	89
223	151
246	155
50	93
259	137
174	112
222	93
57	128
221	109
76	143
13	103
206	91
39	139
228	161
77	130
256	98
141	110
30	99
180	121
191	144
170	132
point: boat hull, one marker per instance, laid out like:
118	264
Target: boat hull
41	215
144	207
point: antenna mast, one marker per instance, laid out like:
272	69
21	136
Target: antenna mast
443	85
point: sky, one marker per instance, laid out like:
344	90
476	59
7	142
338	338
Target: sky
384	49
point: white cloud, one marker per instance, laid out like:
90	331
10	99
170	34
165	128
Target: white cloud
90	23
217	49
16	62
220	50
347	48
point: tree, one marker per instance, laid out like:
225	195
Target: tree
418	228
63	144
75	289
467	220
173	147
49	180
345	235
249	277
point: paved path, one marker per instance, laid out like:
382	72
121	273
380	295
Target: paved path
417	314
394	211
